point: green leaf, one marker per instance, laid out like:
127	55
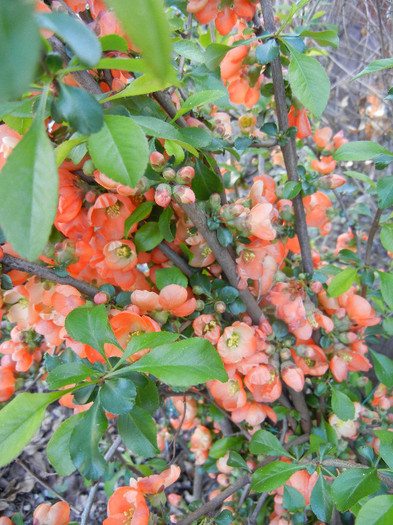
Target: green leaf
376	511
137	65
360	176
353	485
236	460
20	47
293	500
342	406
117	395
120	150
386	446
387	236
387	287
166	276
164	224
185	363
360	150
205	182
30	174
273	475
214	53
149	32
309	82
148	237
228	294
263	442
57	449
291	189
80	109
141	212
78	36
383	366
321	500
224	236
198	99
342	282
19	421
385	192
142	85
324	38
221	446
189	50
90	325
113	42
147	396
147	340
63	150
69	373
267	52
138	431
173	149
374	66
84	442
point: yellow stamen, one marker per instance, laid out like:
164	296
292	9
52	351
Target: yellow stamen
233	341
133	334
209	326
124	251
206	251
248	255
114	210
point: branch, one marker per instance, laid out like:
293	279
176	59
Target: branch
176	259
289	150
369	245
14	263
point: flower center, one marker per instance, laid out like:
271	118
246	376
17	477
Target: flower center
133	334
309	362
124	251
113	211
209	326
206	251
233	341
248	255
233	388
128	516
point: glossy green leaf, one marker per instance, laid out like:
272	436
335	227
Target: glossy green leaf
360	150
214	53
198	99
205	182
167	276
84	442
140	213
82	41
57	449
20	47
236	460
63	150
353	485
147	396
147	340
321	500
164	224
374	66
148	31
273	475
385	192
80	109
174	149
120	150
267	52
342	282
360	176
221	446
291	189
387	287
138	431
114	42
224	236
309	82
136	65
294	8
387	236
29	184
148	237
69	373
383	367
118	395
263	442
142	85
342	406
386	446
90	325
376	511
293	500
189	50
19	421
185	363
324	38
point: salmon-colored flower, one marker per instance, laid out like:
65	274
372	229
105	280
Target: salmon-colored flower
304	483
298	118
322	136
9	138
127	506
293	376
57	514
359	310
7	382
237	341
201	441
156	483
253	413
264	383
261	221
109	213
230	395
310	358
325	165
206	326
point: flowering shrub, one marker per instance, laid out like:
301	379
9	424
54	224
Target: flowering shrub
176	308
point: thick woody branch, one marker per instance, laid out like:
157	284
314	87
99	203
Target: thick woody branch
10	262
176	259
289	150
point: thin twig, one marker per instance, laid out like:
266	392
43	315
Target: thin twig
14	263
252	520
93	490
371	234
176	259
44	484
174	440
349	222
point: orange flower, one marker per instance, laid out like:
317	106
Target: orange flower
109	213
189	406
304	483
325	165
310	358
201	441
298	118
230	395
293	376
206	326
174	299
322	136
261	221
8	140
359	310
264	383
158	482
315	206
253	413
57	514
7	382
237	341
127	506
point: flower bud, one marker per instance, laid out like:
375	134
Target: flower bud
91	197
162	195
169	174
183	194
285	354
315	286
247	123
88	167
101	298
157	161
215	202
185	175
197	290
200	305
330	182
219	307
